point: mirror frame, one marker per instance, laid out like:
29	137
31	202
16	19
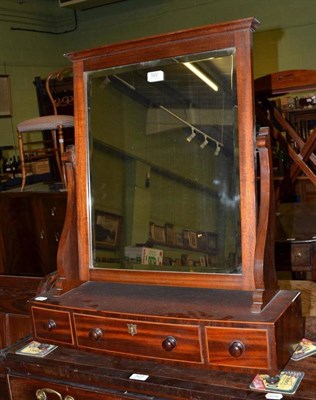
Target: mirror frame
237	34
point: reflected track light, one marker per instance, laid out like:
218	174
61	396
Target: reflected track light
217	150
201	75
192	135
205	143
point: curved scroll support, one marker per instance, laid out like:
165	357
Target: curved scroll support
264	268
67	255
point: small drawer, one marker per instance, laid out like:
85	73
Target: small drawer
300	256
139	338
237	347
52	325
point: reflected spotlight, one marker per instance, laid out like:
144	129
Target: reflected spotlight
201	75
217	150
192	136
202	145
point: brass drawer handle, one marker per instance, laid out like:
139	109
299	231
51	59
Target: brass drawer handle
41	394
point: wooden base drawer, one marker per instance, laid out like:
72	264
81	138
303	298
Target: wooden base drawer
139	338
237	347
52	325
28	388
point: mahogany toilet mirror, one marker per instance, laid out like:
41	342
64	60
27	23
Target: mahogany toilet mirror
165	159
168	232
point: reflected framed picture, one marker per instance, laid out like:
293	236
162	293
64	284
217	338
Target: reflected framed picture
5	96
185	237
170	233
158	233
212	242
179	239
107	230
192	239
202	240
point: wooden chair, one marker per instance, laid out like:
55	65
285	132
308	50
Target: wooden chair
299	146
35	150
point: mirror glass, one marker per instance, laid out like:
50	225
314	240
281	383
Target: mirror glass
164	173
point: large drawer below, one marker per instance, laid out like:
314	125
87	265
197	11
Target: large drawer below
139	338
28	388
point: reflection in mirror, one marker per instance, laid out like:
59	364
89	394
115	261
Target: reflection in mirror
164	165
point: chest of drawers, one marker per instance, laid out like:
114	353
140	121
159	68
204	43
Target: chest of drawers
172	325
69	374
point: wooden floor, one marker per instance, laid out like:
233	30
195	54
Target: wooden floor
308	293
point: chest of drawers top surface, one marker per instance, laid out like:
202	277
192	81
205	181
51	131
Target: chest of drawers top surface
166	302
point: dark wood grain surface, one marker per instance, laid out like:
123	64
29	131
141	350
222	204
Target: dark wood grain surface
31	225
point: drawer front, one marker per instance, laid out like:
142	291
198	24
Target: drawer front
33	388
237	347
139	338
52	325
300	255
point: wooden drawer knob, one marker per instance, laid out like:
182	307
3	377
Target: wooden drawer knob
236	349
169	343
95	334
50	325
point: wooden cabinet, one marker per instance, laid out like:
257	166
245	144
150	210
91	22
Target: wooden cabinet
31	225
298	257
15	320
303	258
296	243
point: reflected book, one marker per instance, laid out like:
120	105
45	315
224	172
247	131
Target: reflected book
36	349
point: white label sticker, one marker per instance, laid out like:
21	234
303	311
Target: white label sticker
155	76
139	377
274	396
